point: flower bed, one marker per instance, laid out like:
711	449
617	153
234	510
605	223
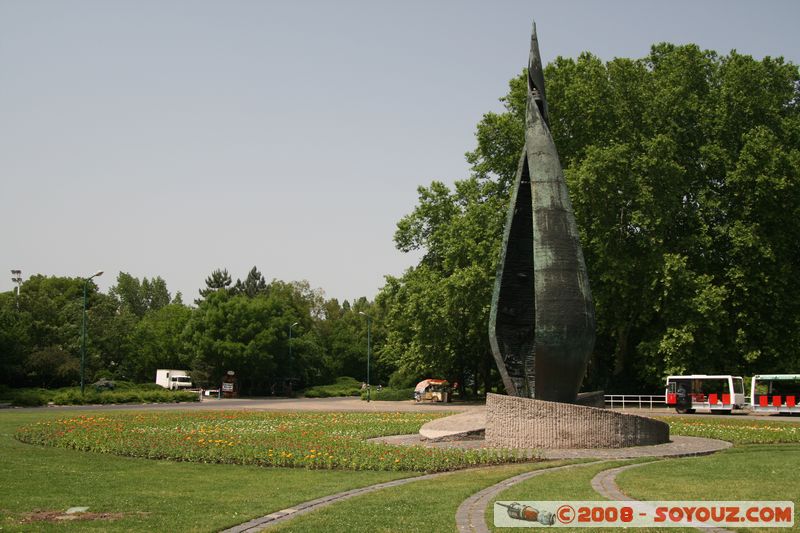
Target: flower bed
745	431
309	440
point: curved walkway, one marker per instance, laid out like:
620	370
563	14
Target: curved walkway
471	515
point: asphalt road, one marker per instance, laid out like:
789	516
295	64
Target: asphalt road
356	404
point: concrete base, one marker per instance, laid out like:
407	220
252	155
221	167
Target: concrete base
513	422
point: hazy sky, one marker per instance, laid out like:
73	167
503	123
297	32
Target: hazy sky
170	138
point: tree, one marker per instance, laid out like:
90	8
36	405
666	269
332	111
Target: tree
138	297
253	285
160	342
14	342
437	313
684	174
219	280
249	335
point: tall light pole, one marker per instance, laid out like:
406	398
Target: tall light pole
17	278
290	352
83	344
369	321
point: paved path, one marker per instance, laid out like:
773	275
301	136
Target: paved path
282	404
471	515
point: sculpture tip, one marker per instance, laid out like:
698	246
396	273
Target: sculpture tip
536	74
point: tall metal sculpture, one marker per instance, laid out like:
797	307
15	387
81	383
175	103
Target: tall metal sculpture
542	322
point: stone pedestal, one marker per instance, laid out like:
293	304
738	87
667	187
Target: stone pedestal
514	422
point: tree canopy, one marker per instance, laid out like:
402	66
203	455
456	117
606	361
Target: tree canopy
684	173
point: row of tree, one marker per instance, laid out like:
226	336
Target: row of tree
139	327
684	173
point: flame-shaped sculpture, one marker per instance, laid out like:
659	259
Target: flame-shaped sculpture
542	323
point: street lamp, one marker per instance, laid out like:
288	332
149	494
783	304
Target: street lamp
17	278
290	352
83	345
369	321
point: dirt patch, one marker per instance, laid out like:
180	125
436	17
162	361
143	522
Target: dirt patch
61	516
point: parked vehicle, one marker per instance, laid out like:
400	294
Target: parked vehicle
432	390
719	394
775	393
173	379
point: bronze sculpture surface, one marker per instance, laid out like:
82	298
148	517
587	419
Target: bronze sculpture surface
542	321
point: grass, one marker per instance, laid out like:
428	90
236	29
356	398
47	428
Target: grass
742	431
149	495
760	471
422	506
309	440
756	472
572	484
157	495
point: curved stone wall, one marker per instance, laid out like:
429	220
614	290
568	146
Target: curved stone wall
514	422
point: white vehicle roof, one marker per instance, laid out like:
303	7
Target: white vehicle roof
703	376
777	377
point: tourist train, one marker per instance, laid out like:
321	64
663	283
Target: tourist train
721	394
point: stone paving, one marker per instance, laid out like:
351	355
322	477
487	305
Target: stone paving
471	515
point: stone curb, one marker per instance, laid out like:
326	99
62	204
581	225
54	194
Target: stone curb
471	514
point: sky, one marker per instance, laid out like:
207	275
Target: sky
174	137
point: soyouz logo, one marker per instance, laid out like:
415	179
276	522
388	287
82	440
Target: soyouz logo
644	514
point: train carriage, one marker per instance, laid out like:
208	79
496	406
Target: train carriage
775	393
719	394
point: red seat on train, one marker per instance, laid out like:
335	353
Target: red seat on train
762	401
712	398
776	400
790	401
726	399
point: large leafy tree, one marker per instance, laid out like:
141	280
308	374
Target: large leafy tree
684	173
249	336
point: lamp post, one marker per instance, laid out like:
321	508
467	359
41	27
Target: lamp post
17	278
83	344
290	352
369	321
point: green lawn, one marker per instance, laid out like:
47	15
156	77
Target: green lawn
150	495
753	472
158	495
571	484
424	506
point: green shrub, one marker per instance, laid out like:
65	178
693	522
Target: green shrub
344	386
149	386
29	398
6	393
389	394
73	396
